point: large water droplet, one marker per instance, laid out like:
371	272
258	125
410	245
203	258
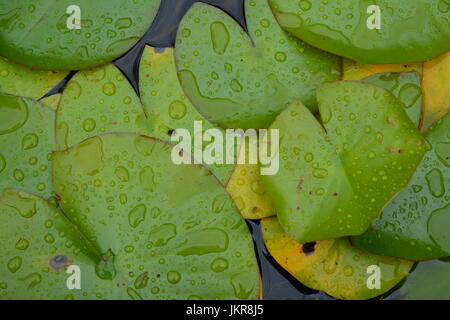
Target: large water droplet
14	264
220	37
162	234
200	242
137	215
105	268
22	244
173	277
13	113
438	227
30	141
26	207
435	182
177	110
219	265
141	281
243	285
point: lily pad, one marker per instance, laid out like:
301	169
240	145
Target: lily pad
334	180
415	224
171	230
428	281
26	142
97	101
436	88
243	80
247	190
167	106
334	266
353	70
46	35
38	246
350	30
22	81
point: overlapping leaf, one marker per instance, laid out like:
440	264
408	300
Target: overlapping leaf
22	81
166	105
428	281
172	230
47	34
38	245
247	190
26	142
404	86
349	28
97	101
244	80
334	266
334	183
415	224
436	89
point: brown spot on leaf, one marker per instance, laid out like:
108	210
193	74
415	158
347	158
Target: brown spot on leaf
395	150
59	261
300	183
391	121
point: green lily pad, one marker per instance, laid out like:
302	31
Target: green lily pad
334	180
404	86
415	224
428	281
167	106
343	29
37	34
26	142
97	101
334	266
173	225
22	81
241	80
38	245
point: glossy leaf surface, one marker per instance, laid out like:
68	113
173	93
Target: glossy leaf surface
436	89
241	80
172	230
415	224
38	246
351	28
21	81
334	180
166	105
63	35
26	142
334	266
97	101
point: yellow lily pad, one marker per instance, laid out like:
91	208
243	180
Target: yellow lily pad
334	266
353	70
246	189
436	90
21	81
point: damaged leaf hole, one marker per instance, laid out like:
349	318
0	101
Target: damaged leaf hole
309	248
